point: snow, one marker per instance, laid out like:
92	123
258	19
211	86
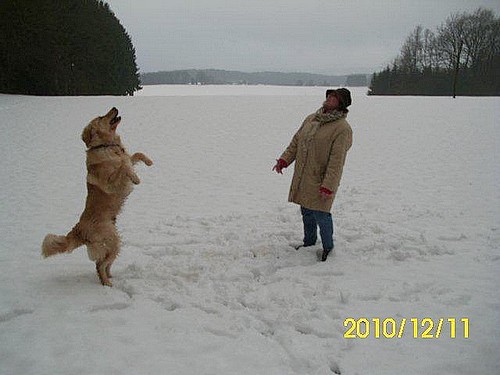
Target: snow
207	281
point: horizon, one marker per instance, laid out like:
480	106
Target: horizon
321	37
261	71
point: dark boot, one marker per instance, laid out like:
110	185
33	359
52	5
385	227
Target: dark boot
297	247
324	256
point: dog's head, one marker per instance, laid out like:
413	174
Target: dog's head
102	130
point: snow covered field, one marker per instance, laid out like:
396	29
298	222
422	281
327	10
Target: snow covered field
207	282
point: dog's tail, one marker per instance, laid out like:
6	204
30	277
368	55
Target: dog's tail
54	244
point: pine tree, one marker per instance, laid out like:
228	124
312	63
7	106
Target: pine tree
64	47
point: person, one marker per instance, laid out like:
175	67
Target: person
319	149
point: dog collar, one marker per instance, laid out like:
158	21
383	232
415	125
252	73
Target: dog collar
103	146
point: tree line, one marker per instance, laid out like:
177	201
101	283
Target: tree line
224	77
64	47
462	57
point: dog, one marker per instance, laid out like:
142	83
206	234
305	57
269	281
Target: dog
110	179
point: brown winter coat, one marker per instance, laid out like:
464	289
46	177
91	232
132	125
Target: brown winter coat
319	152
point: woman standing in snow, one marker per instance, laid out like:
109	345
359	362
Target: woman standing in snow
319	149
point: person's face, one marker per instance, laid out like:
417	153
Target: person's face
331	102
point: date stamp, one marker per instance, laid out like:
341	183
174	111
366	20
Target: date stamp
417	328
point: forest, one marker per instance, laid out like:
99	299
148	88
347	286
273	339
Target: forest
64	47
461	57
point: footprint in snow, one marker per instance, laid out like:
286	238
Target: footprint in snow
113	306
453	238
334	368
5	317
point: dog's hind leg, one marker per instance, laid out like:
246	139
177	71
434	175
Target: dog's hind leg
103	269
101	272
103	262
108	262
113	252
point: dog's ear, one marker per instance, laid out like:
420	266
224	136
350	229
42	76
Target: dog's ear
87	135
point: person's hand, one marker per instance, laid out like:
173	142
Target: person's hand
325	193
280	165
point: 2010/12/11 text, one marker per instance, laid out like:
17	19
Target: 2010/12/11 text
425	328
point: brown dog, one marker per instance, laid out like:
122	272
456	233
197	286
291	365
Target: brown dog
110	179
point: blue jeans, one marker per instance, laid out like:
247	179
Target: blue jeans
313	219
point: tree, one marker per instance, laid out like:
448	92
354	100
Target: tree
64	47
356	80
481	39
412	51
462	57
450	43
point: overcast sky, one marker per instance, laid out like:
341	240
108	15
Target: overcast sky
315	36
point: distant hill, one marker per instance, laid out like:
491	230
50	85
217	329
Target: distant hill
225	77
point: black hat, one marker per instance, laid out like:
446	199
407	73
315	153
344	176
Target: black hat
344	96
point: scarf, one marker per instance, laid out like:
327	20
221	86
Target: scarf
324	118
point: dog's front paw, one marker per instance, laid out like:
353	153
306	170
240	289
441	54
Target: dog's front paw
134	178
139	156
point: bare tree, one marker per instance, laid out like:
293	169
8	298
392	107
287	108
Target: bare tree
451	44
465	47
412	51
481	39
